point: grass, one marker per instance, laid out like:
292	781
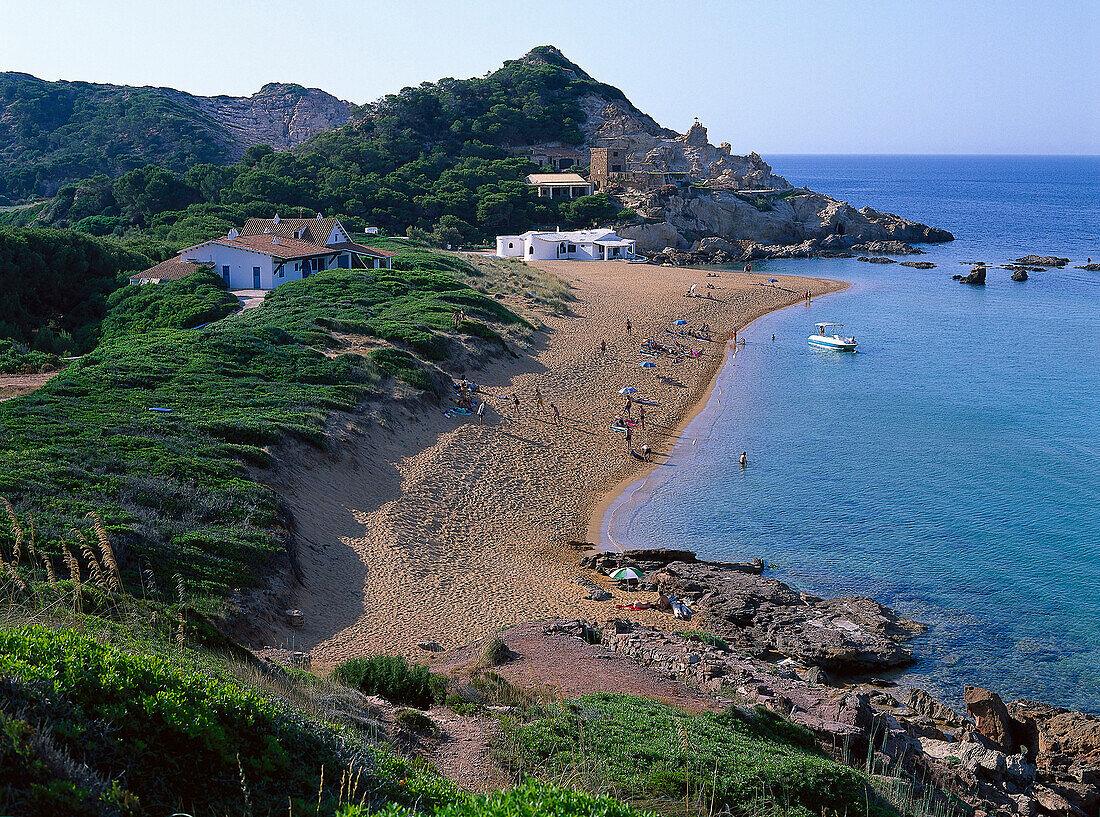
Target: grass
197	299
651	754
710	639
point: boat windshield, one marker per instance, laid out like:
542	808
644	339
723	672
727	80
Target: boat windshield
829	329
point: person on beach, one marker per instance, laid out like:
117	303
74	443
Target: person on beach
603	347
748	267
641	416
515	401
557	414
629	329
743	459
734	337
629	434
481	414
538	397
629	403
645	452
691	292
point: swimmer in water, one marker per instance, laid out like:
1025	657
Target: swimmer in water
743	459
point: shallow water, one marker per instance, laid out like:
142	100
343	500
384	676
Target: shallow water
949	469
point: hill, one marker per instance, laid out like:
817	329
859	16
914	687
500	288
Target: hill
57	132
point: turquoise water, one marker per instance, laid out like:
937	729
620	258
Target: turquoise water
949	469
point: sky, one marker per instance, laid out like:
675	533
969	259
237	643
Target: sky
774	76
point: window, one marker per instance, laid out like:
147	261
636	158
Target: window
531	250
509	245
572	248
342	262
616	168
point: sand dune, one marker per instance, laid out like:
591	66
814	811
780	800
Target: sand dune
437	529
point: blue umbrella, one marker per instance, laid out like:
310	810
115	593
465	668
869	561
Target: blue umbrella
647	364
628	390
679	323
773	280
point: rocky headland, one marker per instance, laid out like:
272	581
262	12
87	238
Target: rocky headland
808	658
734	208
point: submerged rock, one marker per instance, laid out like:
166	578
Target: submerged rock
887	248
918	264
1043	261
876	260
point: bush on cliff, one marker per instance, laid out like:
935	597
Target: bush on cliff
392	677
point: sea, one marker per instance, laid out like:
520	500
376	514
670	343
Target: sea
950	469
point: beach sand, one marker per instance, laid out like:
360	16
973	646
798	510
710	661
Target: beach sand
433	529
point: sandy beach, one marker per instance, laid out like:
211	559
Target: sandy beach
436	529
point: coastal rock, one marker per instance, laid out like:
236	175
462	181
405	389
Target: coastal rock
714	244
876	260
991	717
1019	275
1053	731
976	276
922	703
1089	267
918	264
653	237
762	615
1042	261
886	248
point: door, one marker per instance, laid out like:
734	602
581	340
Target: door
255	277
225	274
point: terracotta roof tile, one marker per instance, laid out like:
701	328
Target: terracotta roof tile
171	270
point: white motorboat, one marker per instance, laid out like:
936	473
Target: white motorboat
828	336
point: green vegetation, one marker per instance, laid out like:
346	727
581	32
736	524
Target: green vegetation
58	131
175	488
710	639
436	161
392	677
653	754
198	299
54	286
15	358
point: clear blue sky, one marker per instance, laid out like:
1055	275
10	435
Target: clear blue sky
775	76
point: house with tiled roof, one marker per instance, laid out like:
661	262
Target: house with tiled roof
269	252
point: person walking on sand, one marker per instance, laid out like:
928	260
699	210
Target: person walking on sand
629	329
629	435
557	414
481	414
629	403
603	347
538	397
641	416
515	402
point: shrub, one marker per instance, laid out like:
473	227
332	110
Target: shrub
416	721
710	639
392	677
403	366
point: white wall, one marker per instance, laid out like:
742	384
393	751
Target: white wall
510	246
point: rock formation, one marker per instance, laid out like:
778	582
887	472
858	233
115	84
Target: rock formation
738	199
975	276
918	264
1019	275
1042	261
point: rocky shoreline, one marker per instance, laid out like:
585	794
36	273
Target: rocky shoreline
797	654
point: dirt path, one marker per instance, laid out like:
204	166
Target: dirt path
15	385
439	529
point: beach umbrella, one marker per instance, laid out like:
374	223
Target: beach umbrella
628	390
627	574
773	280
647	364
680	322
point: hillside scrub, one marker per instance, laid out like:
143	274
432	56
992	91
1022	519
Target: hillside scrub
435	159
652	754
197	299
394	678
54	286
15	358
175	487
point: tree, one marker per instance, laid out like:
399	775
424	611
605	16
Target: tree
149	190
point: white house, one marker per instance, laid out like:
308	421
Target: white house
269	252
582	245
560	185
